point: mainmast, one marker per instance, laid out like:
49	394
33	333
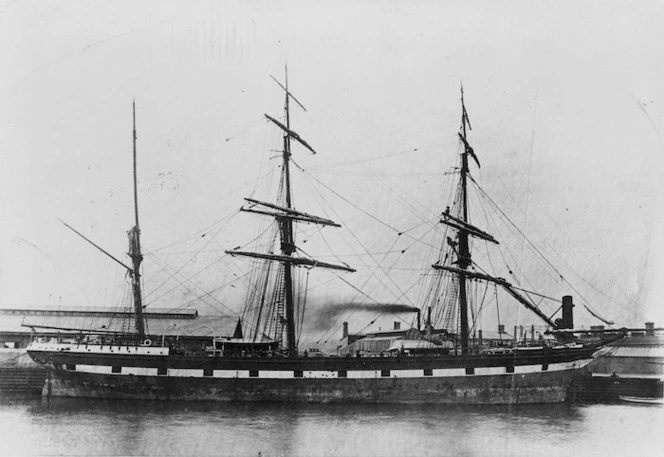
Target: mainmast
287	240
135	250
285	215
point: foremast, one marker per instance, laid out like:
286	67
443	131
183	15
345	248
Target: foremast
464	231
464	259
285	215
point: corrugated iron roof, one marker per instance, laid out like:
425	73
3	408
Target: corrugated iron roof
99	311
201	326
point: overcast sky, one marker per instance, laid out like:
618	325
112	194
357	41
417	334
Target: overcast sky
565	100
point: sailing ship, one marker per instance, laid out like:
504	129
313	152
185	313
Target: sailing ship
427	366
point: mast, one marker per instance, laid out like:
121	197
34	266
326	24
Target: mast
464	250
285	215
286	227
464	231
135	249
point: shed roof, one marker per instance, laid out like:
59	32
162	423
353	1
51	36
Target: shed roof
201	326
87	311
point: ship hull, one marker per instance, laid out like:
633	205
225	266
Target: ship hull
505	379
492	389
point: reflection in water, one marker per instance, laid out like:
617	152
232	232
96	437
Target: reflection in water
97	427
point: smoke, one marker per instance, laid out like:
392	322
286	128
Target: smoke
327	313
382	307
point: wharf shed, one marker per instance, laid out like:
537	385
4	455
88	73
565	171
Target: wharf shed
16	324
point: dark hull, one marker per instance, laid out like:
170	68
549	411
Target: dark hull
543	387
527	377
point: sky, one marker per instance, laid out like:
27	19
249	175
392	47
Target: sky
565	101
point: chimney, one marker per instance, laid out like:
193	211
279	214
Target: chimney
650	329
397	325
419	312
501	328
568	314
427	325
599	329
479	337
345	330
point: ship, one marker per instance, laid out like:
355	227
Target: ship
261	360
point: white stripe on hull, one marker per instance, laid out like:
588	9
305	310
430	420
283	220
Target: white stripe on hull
351	374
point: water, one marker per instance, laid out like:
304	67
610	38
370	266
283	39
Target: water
30	426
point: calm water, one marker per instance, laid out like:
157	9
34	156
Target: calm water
84	427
